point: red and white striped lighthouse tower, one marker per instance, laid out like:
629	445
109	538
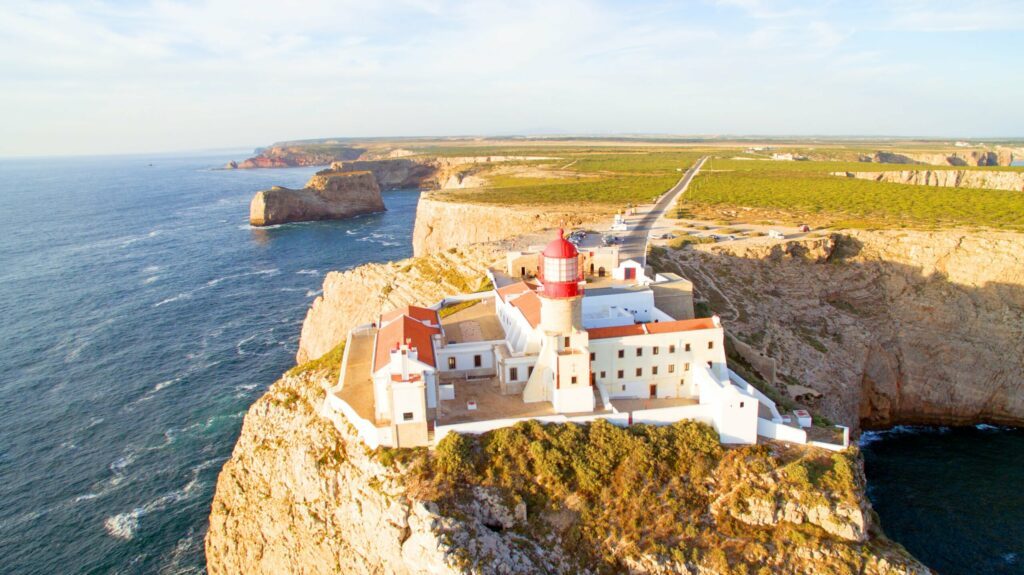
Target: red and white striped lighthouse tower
560	292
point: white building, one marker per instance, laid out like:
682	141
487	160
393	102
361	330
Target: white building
565	348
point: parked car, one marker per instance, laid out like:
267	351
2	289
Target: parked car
776	234
668	236
805	228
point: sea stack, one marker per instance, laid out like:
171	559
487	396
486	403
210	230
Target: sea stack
329	195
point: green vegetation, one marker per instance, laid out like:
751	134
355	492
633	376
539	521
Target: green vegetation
614	190
685	241
456	307
807	189
329	363
608	494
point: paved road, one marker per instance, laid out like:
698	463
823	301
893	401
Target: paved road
634	244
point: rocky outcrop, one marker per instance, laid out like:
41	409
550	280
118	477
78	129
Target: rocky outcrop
1010	181
1000	156
429	173
302	494
890	327
359	295
327	196
441	225
291	156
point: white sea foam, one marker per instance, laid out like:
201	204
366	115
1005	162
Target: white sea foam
314	293
172	299
126	525
150	280
308	272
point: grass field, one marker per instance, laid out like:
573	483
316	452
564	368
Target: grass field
609	190
827	167
807	189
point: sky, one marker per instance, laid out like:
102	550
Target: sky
102	77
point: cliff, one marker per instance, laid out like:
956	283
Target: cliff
1000	156
429	173
301	494
291	156
441	225
889	327
420	281
1010	181
327	196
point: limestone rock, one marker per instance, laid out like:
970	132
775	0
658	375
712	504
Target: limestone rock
1010	181
327	196
359	295
891	327
441	225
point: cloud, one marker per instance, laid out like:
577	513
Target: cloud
99	76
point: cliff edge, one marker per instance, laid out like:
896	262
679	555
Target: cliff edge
302	494
327	196
878	328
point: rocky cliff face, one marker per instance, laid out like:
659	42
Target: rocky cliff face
291	156
428	173
1000	156
327	196
441	225
1010	181
358	296
301	494
890	327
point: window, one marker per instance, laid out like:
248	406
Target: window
672	348
477	361
602	375
654	370
513	374
639	372
593	356
622	353
686	367
671	368
639	351
529	371
741	405
655	351
687	347
566	342
711	345
709	365
407	416
451	363
573	379
621	374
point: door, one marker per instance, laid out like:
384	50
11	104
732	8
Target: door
654	391
630	273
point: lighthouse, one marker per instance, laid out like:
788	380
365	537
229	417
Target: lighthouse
560	294
562	372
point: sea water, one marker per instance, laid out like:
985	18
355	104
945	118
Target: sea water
954	497
142	315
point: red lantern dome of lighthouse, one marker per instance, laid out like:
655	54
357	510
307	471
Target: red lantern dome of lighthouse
559	269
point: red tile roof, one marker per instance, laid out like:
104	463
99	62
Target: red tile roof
653	327
616	331
529	304
398	332
681	325
415	312
513	289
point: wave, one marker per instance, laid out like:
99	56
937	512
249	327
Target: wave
125	525
150	280
308	272
188	294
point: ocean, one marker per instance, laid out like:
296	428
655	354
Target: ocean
142	317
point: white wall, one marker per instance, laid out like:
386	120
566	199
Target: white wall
674	383
639	304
